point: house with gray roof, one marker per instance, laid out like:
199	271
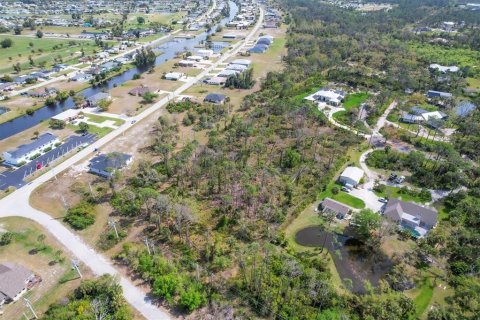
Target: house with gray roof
14	281
105	165
412	216
26	152
94	100
339	209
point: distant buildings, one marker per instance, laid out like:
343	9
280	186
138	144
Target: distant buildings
14	280
28	152
94	100
438	94
174	76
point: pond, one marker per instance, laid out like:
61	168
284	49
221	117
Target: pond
351	260
168	51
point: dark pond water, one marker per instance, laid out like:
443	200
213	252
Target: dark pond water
351	261
168	49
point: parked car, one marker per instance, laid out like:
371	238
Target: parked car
383	200
345	189
393	176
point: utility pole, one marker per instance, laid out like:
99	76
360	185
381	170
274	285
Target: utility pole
112	224
75	266
148	246
29	305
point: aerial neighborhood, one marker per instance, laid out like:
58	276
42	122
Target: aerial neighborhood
244	159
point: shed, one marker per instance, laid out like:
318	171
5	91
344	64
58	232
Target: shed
351	176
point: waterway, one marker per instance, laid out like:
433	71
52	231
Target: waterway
169	50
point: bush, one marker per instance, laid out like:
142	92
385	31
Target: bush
6	238
57	124
193	297
6	43
335	190
80	216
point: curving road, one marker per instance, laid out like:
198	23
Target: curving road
17	203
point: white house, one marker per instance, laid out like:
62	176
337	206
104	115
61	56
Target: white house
186	63
243	62
444	69
174	76
331	97
433	115
205	53
195	58
25	152
351	177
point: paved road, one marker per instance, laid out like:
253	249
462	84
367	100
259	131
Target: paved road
16	177
17	203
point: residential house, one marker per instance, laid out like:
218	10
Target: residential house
94	100
258	49
14	280
236	67
412	216
351	177
174	76
340	210
216	81
186	63
329	96
195	58
139	91
438	94
410	118
215	98
443	69
243	62
106	164
25	152
227	73
81	77
205	53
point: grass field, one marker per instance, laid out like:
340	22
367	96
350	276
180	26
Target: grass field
422	300
473	83
392	192
342	197
355	100
41	50
101	132
99	119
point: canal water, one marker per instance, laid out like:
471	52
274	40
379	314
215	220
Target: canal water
168	49
351	260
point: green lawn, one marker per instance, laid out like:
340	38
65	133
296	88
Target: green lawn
355	100
422	300
473	83
396	193
41	50
99	119
342	197
92	129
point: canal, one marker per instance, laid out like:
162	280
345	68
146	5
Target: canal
168	49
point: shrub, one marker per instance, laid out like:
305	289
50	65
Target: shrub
80	216
6	238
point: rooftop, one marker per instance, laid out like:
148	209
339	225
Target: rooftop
37	143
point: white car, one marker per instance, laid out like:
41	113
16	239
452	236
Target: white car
383	200
345	189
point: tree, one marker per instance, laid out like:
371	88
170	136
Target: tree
145	57
36	134
17	30
193	297
6	43
83	126
17	68
39	34
104	104
78	100
365	223
141	20
149	97
6	238
57	124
